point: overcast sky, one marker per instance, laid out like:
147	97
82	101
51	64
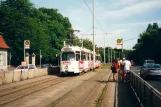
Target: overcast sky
123	18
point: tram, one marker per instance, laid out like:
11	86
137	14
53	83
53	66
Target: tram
76	59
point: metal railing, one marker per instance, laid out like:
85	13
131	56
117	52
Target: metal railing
148	95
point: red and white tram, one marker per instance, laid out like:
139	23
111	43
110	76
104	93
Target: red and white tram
76	59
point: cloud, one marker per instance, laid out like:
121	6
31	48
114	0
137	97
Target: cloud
132	10
120	31
141	23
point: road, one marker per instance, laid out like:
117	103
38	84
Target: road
154	82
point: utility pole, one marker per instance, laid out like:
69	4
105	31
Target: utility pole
93	39
108	54
111	55
122	48
104	51
82	40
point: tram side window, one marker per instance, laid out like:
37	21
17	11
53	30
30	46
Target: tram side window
77	56
83	57
88	58
96	57
92	57
68	56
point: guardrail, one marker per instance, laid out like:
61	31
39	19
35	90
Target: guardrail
148	95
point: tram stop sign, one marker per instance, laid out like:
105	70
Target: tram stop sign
27	44
119	41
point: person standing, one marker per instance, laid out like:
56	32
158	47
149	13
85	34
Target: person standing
115	69
121	70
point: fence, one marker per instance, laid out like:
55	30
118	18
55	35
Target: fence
148	95
14	76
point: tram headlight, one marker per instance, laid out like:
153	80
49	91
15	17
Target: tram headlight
66	67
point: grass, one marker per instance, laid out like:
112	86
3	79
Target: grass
99	99
105	66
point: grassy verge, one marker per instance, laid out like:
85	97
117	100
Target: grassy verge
105	66
99	100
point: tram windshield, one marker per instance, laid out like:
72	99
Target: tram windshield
68	56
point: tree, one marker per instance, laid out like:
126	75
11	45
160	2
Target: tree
148	46
45	28
149	28
155	26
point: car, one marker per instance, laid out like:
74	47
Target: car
150	70
149	61
46	65
25	68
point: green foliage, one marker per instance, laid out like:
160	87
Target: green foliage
148	46
45	28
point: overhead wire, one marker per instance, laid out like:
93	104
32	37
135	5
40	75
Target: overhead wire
94	16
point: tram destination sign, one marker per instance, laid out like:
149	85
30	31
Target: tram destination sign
67	49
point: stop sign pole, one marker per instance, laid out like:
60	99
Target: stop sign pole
26	46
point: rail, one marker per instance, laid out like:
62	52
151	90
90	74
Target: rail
147	94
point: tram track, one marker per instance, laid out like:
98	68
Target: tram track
13	89
98	79
12	95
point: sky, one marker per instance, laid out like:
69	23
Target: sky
118	18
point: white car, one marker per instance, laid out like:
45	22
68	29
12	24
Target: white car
25	68
150	70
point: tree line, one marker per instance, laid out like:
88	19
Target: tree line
46	29
148	45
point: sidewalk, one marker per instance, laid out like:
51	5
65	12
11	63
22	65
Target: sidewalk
119	95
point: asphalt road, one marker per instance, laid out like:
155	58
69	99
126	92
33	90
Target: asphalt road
156	83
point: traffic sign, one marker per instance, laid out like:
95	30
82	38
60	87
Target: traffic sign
27	44
119	41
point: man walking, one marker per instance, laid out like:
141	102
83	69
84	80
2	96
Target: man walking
127	67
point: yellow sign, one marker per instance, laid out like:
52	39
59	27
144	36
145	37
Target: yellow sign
119	40
27	44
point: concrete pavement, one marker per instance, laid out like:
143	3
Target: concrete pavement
119	95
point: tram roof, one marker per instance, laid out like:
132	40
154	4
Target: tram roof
75	48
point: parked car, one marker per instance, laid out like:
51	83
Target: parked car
150	70
25	68
46	65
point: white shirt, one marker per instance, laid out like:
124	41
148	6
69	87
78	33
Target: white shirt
127	65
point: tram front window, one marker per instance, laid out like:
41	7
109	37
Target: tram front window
68	56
